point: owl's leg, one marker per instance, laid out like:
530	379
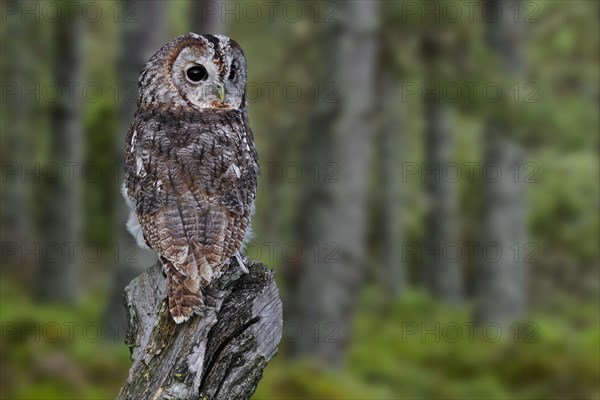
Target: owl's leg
241	263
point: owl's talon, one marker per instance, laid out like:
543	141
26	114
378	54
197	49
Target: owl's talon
241	263
164	268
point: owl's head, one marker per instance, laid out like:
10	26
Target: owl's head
202	71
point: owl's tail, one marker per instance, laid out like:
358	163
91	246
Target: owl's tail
184	293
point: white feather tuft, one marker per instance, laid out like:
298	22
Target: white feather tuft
133	225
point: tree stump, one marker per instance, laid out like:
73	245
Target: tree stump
218	355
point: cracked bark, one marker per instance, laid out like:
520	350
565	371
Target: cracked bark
220	355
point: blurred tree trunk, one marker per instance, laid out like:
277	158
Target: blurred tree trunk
333	217
442	273
17	224
390	144
140	40
208	16
501	283
61	212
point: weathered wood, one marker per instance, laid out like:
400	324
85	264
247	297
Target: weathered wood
219	355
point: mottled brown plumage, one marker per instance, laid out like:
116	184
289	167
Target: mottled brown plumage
191	164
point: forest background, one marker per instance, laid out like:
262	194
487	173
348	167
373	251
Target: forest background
429	192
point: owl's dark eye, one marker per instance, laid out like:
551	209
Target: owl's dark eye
197	73
232	73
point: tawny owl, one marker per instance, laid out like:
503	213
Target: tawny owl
191	165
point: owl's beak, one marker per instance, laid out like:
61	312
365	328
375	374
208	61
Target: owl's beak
221	92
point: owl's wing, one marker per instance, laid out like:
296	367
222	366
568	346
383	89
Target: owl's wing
191	191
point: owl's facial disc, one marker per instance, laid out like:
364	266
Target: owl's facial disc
195	75
207	75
